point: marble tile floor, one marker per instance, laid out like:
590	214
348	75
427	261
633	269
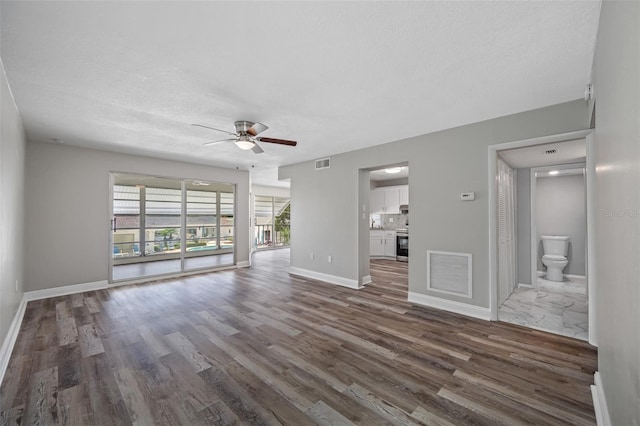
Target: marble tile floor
556	307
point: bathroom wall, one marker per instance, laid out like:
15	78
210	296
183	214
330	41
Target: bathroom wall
523	224
561	210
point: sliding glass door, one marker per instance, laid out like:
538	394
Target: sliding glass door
167	226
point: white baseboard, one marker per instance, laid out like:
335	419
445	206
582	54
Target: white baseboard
243	264
65	290
450	305
525	285
11	337
332	279
600	402
366	280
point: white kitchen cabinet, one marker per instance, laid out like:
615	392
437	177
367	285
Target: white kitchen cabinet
376	202
382	243
387	200
376	243
390	244
392	200
404	195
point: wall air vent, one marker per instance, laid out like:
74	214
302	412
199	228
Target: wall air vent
449	273
551	151
324	163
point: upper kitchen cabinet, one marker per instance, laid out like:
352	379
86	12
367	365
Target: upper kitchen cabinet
376	202
392	200
404	195
387	200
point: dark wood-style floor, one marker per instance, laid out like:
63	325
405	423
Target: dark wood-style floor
258	346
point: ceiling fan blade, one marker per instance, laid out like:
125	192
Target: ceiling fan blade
256	129
213	128
278	141
256	148
220	141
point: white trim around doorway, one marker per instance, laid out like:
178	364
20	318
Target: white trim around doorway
492	162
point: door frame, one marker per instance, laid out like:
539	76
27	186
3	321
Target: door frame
183	209
533	206
493	234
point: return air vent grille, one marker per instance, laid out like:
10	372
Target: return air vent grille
449	273
324	163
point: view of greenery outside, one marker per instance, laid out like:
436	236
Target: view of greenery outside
283	225
272	221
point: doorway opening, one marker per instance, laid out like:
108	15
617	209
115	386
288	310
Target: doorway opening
272	222
539	234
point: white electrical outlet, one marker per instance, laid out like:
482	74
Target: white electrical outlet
312	256
329	259
17	285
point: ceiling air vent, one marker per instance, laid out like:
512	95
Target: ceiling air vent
551	151
324	163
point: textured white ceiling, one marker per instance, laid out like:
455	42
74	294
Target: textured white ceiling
335	76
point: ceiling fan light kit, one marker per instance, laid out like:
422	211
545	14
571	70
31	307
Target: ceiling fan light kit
245	143
246	136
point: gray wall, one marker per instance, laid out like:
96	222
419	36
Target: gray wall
442	164
561	209
12	146
67	212
617	207
523	224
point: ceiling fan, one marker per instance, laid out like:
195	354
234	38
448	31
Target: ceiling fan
246	136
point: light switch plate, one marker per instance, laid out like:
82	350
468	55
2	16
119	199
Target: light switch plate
468	196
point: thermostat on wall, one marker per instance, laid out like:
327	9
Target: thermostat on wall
468	196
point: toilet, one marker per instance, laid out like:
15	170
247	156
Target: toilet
555	255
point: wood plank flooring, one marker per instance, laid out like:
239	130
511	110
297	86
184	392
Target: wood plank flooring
258	346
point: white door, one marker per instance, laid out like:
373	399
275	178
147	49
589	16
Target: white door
506	232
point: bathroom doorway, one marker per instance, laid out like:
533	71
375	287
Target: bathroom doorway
533	288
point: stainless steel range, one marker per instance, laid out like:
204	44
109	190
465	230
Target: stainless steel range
402	244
